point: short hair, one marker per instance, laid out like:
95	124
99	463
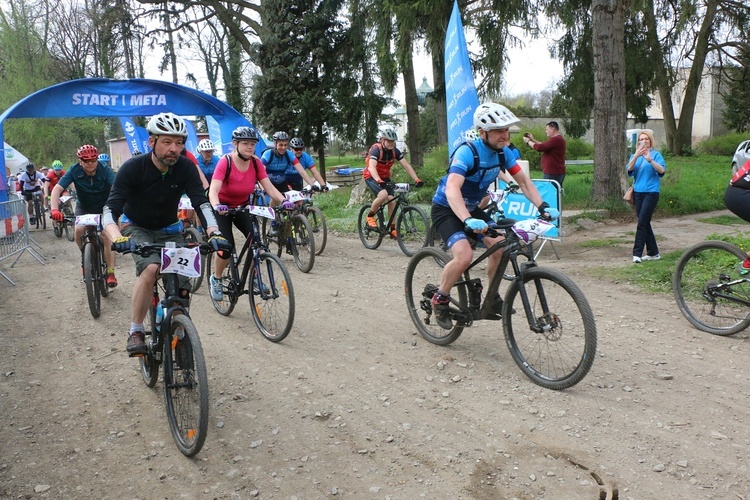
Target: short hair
554	125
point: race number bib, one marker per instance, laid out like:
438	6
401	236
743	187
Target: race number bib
261	211
183	261
294	196
88	220
185	203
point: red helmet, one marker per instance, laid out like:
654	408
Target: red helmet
88	152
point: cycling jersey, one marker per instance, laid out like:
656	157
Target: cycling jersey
91	190
276	164
237	188
32	182
307	163
475	185
53	179
208	167
385	158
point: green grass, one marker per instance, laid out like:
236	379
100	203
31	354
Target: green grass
606	242
722	220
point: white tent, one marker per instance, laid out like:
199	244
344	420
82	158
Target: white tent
13	159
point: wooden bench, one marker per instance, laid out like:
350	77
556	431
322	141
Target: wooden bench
344	175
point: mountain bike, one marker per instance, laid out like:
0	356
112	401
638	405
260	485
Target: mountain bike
269	289
317	221
172	341
94	263
553	337
710	289
64	226
192	234
411	223
40	218
294	234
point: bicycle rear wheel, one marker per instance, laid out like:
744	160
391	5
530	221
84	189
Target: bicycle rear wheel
225	306
709	289
148	363
412	229
185	386
318	224
303	244
90	278
422	279
562	353
272	242
371	237
192	235
271	297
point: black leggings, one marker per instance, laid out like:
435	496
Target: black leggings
737	201
241	221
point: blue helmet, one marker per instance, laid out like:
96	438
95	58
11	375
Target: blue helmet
104	158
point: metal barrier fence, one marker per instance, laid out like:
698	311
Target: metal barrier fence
14	234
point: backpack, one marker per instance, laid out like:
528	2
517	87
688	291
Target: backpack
272	149
228	170
473	170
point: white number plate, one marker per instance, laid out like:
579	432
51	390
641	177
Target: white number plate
183	261
261	211
294	196
88	220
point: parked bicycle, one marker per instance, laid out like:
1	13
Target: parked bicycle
172	341
264	279
192	235
552	338
317	221
294	233
411	223
64	226
94	263
710	289
40	217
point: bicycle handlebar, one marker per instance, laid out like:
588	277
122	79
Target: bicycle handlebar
146	249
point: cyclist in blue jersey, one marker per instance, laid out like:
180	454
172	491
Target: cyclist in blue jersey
307	162
455	206
207	160
104	160
278	160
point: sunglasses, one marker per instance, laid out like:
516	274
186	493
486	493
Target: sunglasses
299	149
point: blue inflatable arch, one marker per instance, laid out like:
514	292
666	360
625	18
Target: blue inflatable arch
96	97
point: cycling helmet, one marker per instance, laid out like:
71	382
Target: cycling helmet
297	143
471	135
88	152
167	124
57	165
280	136
388	134
30	167
104	158
206	145
245	134
491	116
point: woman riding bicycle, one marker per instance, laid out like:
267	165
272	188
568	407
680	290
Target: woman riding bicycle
232	184
737	201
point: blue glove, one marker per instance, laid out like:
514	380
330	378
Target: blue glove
123	244
288	205
221	208
550	215
475	225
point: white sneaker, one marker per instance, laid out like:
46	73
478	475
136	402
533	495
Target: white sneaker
636	260
216	292
652	257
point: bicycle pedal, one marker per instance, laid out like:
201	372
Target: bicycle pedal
136	355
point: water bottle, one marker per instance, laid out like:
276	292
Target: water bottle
159	316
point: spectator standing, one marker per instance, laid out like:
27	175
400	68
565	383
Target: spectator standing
553	152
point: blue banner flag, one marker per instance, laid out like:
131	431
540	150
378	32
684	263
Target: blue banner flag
132	137
460	92
517	206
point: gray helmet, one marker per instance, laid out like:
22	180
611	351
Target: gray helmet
245	134
296	143
389	134
280	136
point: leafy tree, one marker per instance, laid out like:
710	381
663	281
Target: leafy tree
737	95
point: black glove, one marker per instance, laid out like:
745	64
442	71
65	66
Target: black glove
315	188
219	242
418	184
123	244
325	188
543	214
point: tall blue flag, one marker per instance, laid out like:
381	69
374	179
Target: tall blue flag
132	137
460	92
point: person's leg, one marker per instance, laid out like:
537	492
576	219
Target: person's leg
221	258
647	211
640	230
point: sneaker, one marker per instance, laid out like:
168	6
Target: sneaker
370	222
651	257
111	280
636	260
216	291
137	343
393	233
440	307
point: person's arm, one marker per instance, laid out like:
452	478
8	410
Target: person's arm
269	188
57	191
301	171
372	165
410	170
455	197
656	161
314	171
204	181
195	191
528	187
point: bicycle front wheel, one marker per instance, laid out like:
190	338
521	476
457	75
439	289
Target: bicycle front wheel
57	229
422	279
561	353
185	386
148	363
412	229
709	289
226	304
192	235
101	277
318	224
69	231
371	237
90	261
303	244
271	297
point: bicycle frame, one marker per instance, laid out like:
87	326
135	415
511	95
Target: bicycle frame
400	199
171	302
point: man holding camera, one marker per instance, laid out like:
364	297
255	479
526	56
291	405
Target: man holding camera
553	152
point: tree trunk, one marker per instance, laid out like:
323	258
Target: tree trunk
438	95
412	110
610	114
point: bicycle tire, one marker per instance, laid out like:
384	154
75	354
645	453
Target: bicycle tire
148	363
412	230
37	212
422	279
303	243
561	355
699	271
272	298
371	238
186	387
57	229
320	230
272	242
89	277
101	277
225	306
69	233
192	235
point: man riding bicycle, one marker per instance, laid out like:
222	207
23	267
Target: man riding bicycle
146	193
292	176
377	175
455	207
92	182
278	160
32	183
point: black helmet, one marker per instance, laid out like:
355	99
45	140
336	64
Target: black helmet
245	134
297	143
280	136
30	166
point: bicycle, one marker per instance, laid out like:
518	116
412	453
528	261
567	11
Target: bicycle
710	290
58	228
40	218
554	346
294	233
94	263
412	224
270	289
317	221
192	235
172	341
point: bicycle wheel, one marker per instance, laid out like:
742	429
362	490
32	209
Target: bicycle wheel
422	280
148	363
69	232
192	235
57	229
37	212
225	306
186	386
272	242
101	278
709	290
318	224
89	277
412	229
303	243
561	354
371	237
271	297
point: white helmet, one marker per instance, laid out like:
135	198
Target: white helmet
167	124
206	145
491	116
471	135
389	134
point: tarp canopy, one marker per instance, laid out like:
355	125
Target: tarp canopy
13	159
102	97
